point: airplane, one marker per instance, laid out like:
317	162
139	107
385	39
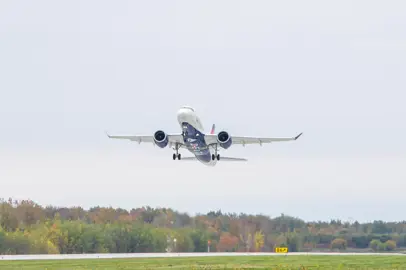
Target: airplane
204	146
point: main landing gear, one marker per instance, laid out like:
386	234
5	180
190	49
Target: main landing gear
177	154
215	155
174	156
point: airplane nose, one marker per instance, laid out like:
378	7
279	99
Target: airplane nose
184	115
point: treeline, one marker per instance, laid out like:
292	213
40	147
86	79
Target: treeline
28	228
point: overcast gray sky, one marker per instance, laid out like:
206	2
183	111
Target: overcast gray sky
70	70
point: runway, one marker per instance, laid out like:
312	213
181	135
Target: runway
172	255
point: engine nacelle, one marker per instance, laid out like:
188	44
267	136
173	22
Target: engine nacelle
224	139
161	139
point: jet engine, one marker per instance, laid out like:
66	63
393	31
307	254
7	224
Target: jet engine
224	139
161	139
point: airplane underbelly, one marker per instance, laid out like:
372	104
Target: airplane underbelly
201	153
203	156
195	143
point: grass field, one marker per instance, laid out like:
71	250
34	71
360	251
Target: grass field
243	262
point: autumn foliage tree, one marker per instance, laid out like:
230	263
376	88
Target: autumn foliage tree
339	243
29	228
390	245
227	242
259	240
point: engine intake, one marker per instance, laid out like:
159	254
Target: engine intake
224	139
161	139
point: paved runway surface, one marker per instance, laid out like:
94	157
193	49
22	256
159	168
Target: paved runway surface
169	255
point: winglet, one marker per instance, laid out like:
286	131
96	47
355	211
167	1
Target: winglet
107	134
213	129
297	137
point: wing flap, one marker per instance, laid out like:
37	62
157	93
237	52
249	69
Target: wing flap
137	138
172	138
259	140
212	139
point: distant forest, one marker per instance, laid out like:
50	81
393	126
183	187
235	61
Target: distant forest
28	228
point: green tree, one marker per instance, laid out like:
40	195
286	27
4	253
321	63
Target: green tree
380	227
8	219
293	242
374	244
199	239
3	246
28	228
92	239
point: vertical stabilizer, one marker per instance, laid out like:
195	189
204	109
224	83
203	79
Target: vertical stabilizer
213	129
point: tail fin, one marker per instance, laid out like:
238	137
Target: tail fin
213	129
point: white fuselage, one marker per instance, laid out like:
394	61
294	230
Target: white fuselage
194	138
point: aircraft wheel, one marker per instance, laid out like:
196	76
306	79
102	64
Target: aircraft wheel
218	156
213	157
174	156
179	156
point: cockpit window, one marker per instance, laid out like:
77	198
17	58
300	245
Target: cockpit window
187	107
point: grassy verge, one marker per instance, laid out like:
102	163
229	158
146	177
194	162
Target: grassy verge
243	262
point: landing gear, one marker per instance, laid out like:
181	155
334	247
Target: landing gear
215	155
176	155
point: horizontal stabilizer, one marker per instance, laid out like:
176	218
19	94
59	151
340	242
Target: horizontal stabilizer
232	159
221	159
188	158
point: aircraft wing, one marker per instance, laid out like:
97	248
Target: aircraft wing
212	139
173	138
